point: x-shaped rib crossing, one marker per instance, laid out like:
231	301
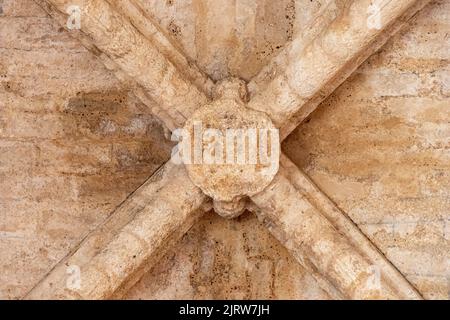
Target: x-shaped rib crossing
321	237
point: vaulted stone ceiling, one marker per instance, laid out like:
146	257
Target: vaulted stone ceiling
77	142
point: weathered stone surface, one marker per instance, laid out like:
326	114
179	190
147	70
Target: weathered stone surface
223	137
132	56
81	186
230	38
288	92
344	189
383	159
143	21
228	259
60	176
323	239
130	240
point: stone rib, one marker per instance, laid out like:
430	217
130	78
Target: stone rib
130	241
351	255
323	239
125	48
288	92
135	12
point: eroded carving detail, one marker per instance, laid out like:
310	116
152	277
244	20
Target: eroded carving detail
230	151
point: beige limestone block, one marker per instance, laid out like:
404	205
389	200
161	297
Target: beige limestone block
323	239
310	74
121	46
130	241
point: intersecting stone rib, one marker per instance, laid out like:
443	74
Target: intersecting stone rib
126	48
288	92
129	243
324	240
134	11
115	255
